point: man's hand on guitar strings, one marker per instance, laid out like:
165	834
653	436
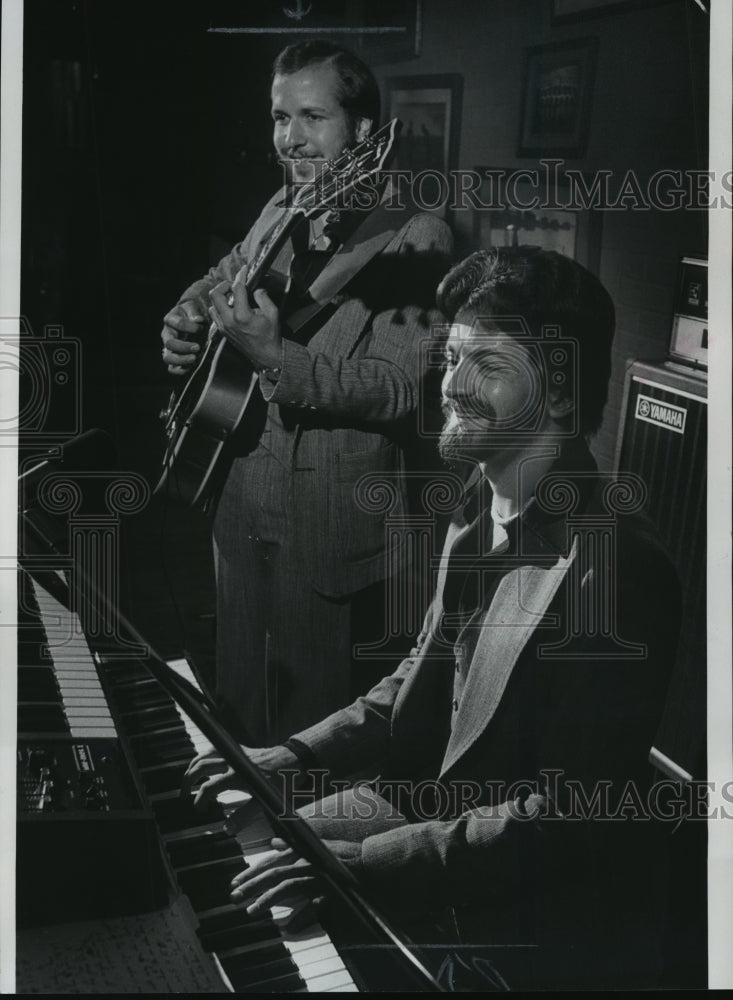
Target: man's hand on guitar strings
253	332
184	321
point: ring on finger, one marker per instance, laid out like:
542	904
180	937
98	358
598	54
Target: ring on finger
230	300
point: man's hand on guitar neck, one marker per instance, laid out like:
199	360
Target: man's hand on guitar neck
253	332
182	323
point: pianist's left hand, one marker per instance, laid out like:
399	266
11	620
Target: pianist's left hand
285	879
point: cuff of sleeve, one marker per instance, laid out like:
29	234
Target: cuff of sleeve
295	371
304	753
270	376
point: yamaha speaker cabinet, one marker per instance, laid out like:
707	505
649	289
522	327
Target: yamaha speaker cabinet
663	439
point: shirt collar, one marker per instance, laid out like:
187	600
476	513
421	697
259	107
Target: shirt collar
542	531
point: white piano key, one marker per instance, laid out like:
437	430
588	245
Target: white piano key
301	942
86	711
80	678
319	967
80	701
82	696
233	798
314	952
328	983
91	732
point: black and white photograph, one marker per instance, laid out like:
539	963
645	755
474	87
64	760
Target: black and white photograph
429	108
366	566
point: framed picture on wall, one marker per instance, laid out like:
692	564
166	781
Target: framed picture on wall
429	108
566	11
557	95
521	208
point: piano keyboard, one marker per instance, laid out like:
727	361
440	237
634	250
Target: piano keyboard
253	955
76	705
70	701
78	803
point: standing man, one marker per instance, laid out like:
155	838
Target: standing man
508	755
301	565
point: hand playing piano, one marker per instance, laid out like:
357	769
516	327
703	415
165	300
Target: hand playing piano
209	773
283	878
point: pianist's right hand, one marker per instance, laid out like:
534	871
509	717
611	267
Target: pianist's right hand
209	773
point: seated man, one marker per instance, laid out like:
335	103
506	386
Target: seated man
508	753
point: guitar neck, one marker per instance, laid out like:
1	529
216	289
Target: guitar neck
269	250
333	184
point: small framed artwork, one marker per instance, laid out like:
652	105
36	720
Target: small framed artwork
429	108
523	207
557	94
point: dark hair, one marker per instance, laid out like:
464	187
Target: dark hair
358	91
544	288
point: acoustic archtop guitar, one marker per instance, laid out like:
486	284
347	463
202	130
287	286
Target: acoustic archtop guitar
213	401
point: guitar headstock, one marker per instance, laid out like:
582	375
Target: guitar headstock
339	177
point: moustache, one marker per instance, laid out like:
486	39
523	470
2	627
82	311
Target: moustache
291	163
470	410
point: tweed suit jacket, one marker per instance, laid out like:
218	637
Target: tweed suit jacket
351	392
539	728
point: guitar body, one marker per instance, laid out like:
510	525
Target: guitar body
201	421
201	418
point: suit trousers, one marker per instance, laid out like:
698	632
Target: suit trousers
284	651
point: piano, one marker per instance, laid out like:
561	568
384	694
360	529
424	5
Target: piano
132	892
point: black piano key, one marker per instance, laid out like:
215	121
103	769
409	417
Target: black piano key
213	845
238	973
249	930
126	671
261	975
37	684
140	694
230	938
151	719
176	813
163	737
41	718
172	744
164	777
209	885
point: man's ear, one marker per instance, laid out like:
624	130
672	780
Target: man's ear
363	128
